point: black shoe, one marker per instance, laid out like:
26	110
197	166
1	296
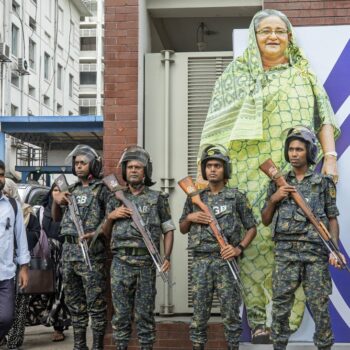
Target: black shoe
261	335
97	341
146	346
80	339
198	346
232	347
122	347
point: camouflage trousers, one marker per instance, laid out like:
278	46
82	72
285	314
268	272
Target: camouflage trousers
307	264
85	294
209	274
133	292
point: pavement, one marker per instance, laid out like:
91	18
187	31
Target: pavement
39	338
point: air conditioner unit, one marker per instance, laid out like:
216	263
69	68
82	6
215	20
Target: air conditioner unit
4	53
22	67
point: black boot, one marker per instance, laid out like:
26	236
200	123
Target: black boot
198	346
146	346
97	340
122	347
80	339
232	347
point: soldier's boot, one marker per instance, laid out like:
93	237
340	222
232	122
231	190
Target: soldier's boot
146	346
80	339
97	340
198	346
122	347
232	347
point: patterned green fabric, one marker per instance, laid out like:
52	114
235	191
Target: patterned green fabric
268	102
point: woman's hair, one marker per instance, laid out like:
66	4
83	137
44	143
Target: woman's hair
268	13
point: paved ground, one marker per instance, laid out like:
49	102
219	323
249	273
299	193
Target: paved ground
38	338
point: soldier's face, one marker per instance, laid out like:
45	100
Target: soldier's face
297	154
214	170
135	172
81	165
2	179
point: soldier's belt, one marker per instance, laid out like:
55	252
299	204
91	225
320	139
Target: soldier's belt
71	239
132	251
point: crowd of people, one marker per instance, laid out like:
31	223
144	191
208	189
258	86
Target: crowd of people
267	104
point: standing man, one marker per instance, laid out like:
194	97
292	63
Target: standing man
11	230
85	290
300	256
133	274
209	270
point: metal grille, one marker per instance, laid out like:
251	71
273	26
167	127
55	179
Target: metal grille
202	74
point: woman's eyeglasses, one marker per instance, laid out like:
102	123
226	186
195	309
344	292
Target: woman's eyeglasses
268	32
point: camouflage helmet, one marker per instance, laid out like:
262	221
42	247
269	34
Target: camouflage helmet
137	153
215	152
91	156
305	135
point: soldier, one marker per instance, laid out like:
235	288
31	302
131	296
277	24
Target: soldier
84	289
133	275
209	270
300	256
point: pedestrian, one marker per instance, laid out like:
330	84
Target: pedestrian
133	274
12	239
85	290
210	271
300	255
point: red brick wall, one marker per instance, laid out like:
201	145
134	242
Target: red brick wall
314	12
120	79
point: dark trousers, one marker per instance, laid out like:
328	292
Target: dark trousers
7	305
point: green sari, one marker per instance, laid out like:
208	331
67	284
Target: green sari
249	110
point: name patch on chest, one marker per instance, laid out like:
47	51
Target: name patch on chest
218	209
143	208
81	199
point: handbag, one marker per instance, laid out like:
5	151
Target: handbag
41	269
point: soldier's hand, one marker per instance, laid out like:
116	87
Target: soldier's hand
61	198
334	262
166	265
88	236
199	217
229	252
120	213
282	193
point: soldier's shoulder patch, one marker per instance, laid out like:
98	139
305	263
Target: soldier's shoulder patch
332	192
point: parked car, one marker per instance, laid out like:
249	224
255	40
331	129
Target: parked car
32	194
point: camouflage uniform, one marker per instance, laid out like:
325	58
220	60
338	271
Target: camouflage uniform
133	274
85	291
301	257
209	271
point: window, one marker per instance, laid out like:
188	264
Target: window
87	110
14	109
31	90
32	49
88	44
15	79
71	85
46	65
15	6
59	76
32	23
87	78
15	31
72	32
46	100
70	113
59	108
60	20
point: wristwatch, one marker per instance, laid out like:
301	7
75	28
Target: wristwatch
240	247
167	257
331	153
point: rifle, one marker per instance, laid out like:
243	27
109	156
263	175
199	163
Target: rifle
189	188
270	169
112	184
62	184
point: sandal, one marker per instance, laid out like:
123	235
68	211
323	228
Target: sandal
57	336
261	335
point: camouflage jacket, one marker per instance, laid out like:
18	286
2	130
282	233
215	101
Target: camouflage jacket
233	213
154	209
289	221
92	201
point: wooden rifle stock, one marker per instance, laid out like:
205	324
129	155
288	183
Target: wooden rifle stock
189	188
270	169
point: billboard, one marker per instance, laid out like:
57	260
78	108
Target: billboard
328	50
